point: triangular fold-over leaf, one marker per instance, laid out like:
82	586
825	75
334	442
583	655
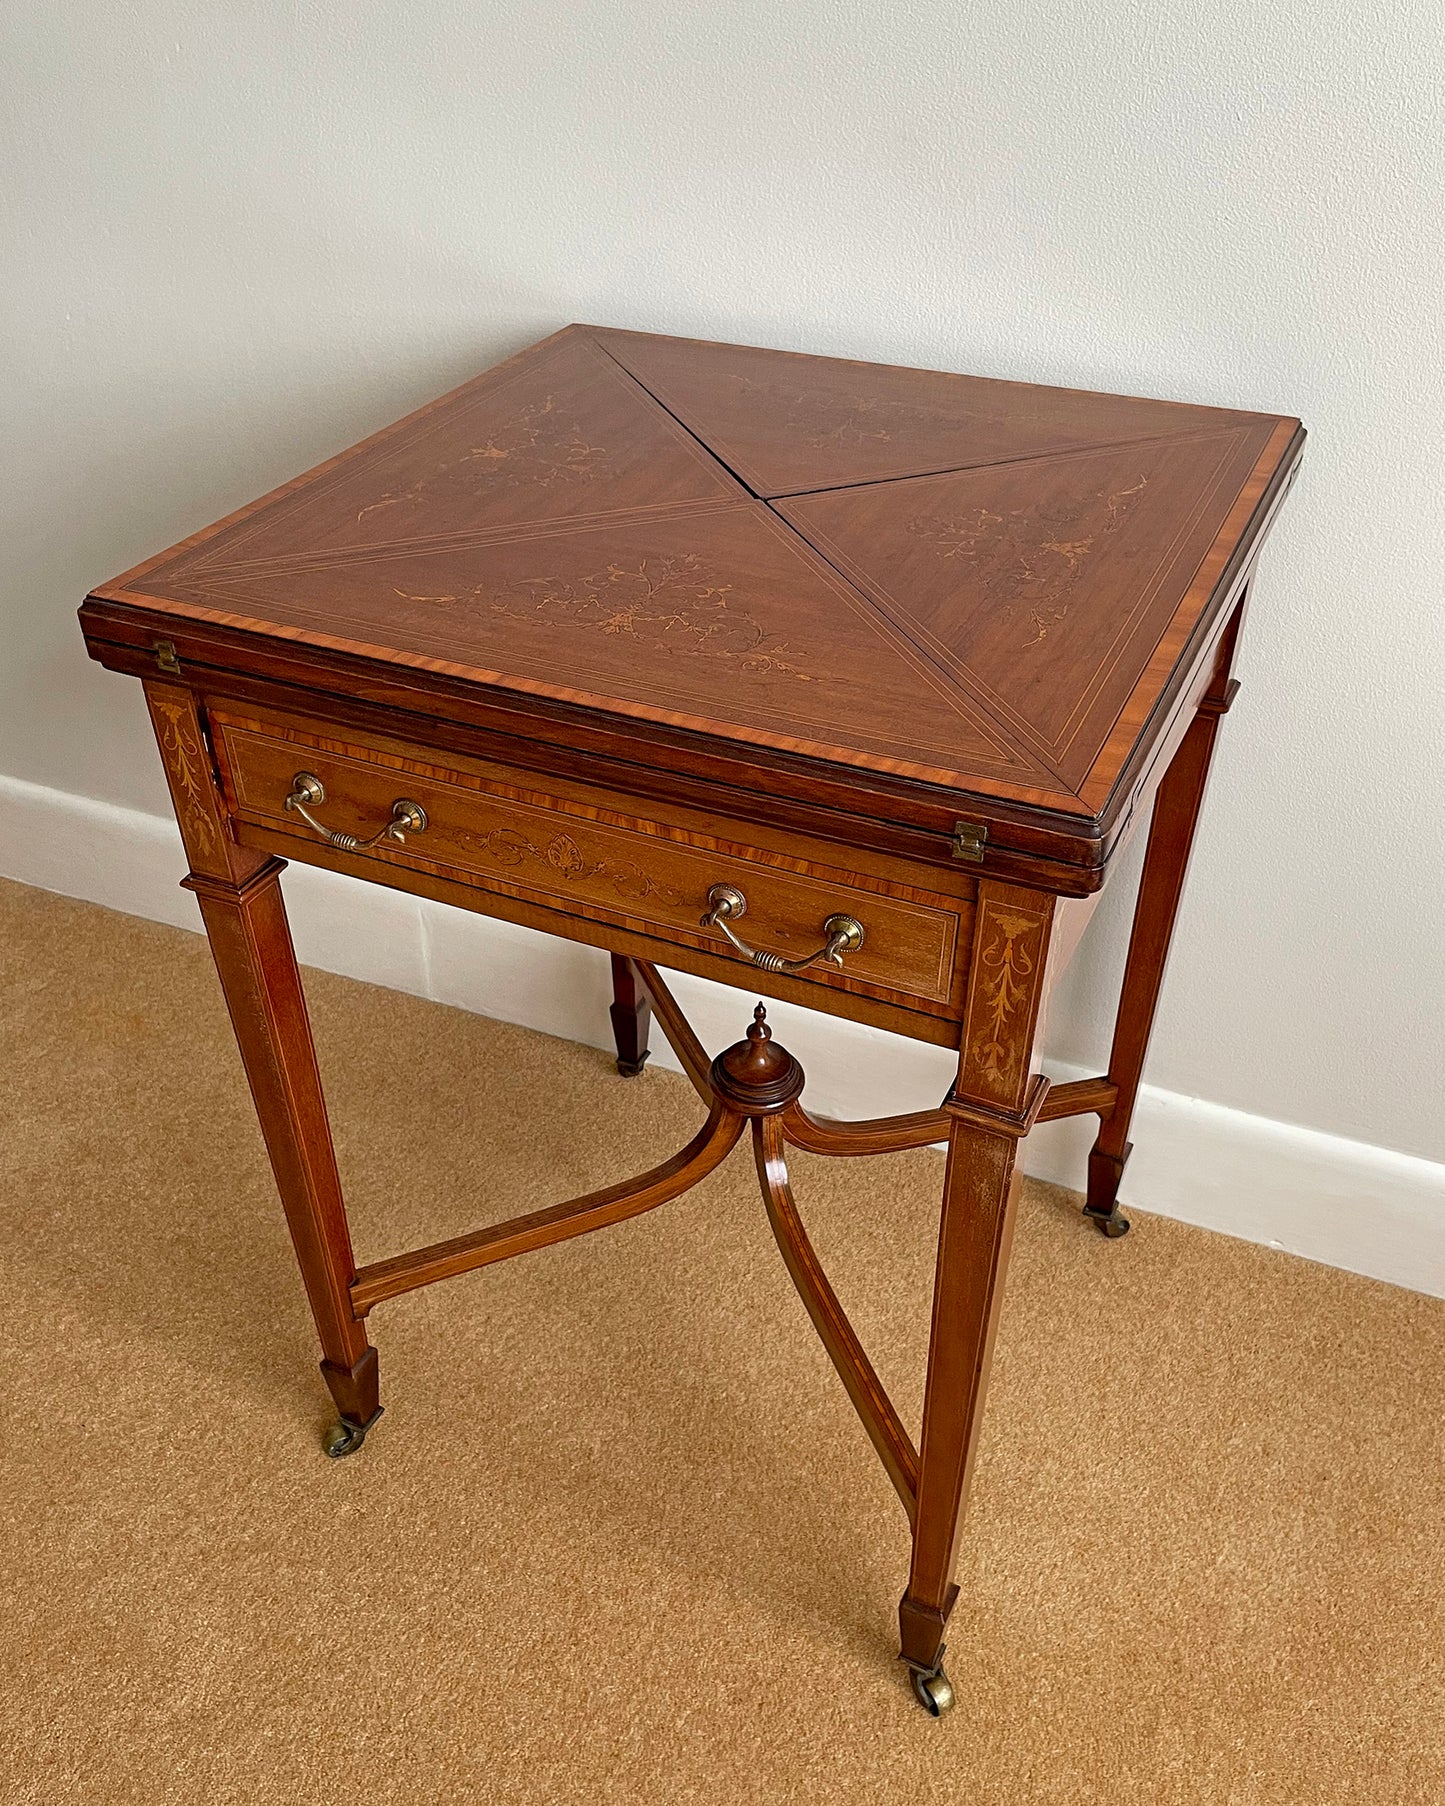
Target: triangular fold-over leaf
787	424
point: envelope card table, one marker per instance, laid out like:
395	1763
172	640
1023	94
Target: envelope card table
833	680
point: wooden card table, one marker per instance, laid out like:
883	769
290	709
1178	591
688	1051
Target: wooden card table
742	663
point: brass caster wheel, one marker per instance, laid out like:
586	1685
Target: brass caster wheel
631	1069
1113	1225
934	1692
345	1437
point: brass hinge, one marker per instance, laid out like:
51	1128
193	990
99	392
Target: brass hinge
968	839
166	656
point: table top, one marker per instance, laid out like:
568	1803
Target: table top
948	581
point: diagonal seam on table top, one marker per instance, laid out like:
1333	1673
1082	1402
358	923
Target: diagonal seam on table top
224	596
1048	753
278	507
1031	754
1190	427
224	579
1047	750
1012	787
284	564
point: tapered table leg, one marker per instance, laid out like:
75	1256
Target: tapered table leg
251	943
1161	887
980	1192
631	1014
995	1100
240	898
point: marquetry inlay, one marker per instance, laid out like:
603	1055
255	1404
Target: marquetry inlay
971	584
186	766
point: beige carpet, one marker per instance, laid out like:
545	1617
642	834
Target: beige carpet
619	1536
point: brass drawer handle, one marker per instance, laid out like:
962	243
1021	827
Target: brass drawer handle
844	935
308	792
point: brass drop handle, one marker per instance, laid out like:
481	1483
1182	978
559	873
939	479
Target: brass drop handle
307	793
726	901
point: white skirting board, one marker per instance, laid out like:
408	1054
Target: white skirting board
1345	1203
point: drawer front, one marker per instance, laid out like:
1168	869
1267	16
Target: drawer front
500	833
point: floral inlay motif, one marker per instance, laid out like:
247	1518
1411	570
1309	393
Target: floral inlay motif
1006	966
1029	560
186	760
513	847
822	419
542	445
668	602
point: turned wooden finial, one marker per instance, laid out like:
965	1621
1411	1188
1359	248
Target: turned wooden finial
755	1075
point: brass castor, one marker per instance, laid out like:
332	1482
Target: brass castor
346	1437
934	1692
631	1069
1113	1225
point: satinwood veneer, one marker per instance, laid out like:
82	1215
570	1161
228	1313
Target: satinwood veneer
836	680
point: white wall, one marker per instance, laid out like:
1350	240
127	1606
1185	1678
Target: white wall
242	236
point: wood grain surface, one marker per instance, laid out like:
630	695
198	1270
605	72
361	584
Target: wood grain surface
987	588
611	866
629	618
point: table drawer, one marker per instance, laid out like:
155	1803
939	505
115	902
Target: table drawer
502	833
